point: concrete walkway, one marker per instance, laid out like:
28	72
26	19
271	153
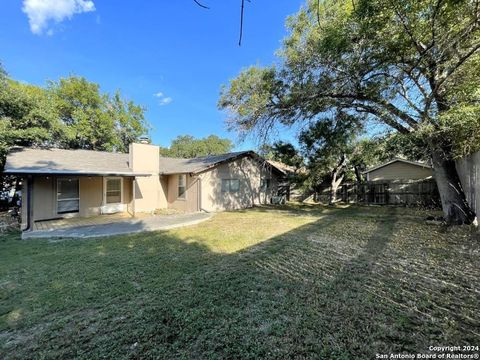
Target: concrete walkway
127	226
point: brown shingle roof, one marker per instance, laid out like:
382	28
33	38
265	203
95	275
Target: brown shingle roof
178	166
61	161
88	162
286	169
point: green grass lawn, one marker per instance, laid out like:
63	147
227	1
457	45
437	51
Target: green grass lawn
291	282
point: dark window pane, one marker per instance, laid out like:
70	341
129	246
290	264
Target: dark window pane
225	186
234	185
114	197
181	180
113	191
67	189
230	185
181	192
66	206
114	185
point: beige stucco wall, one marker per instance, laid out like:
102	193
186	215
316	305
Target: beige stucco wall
128	194
91	196
163	192
144	158
400	171
190	202
249	172
90	192
43	198
150	191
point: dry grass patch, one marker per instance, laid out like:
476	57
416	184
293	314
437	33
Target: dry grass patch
288	282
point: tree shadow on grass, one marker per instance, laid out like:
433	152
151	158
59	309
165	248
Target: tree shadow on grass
335	288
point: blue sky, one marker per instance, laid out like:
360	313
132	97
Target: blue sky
170	56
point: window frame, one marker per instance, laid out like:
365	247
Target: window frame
105	189
57	200
228	189
183	196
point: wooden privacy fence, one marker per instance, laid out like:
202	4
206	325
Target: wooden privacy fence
410	193
469	172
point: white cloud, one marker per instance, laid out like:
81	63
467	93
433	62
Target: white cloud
41	12
162	99
166	101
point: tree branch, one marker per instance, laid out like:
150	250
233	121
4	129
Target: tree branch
448	72
418	45
242	11
382	116
201	5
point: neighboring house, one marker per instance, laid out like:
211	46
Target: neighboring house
66	183
286	169
396	182
294	189
399	169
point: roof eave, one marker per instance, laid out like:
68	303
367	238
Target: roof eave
71	172
174	172
395	160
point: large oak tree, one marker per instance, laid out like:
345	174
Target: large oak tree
411	65
186	146
71	113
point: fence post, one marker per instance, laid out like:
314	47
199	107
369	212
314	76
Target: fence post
386	189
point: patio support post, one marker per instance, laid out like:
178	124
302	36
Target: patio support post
29	203
133	196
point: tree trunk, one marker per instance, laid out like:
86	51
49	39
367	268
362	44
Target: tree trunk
333	195
456	210
358	174
334	187
336	178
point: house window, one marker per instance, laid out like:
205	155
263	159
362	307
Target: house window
68	199
230	185
182	181
113	190
264	184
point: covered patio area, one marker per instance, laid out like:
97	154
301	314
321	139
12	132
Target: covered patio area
56	224
108	225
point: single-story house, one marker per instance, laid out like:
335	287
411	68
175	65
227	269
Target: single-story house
399	170
60	183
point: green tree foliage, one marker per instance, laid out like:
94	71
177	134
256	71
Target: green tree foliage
283	152
129	121
95	120
70	113
27	117
330	145
186	146
409	64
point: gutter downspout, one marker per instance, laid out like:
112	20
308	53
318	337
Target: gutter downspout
199	193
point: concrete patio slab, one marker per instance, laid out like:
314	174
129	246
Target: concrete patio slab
119	227
81	221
